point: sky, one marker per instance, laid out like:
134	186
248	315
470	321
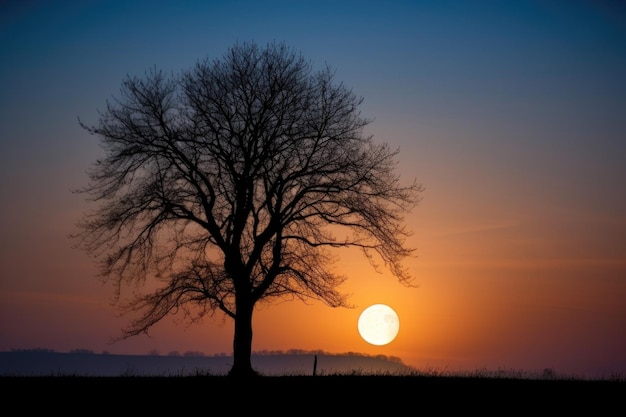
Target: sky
511	114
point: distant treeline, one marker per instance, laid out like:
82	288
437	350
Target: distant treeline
196	354
394	359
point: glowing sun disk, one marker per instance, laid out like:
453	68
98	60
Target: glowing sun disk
378	324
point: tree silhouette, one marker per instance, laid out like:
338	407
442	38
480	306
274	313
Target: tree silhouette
229	183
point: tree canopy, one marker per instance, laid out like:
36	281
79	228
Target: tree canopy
230	183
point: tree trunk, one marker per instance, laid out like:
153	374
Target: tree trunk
242	342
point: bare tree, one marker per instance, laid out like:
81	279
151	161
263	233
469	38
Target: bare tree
229	183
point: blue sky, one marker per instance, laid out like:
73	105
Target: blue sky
510	113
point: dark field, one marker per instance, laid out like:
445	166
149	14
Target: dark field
87	384
306	395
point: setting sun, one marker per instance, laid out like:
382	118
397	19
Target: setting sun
378	324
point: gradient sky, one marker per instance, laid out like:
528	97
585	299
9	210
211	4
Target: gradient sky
512	114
